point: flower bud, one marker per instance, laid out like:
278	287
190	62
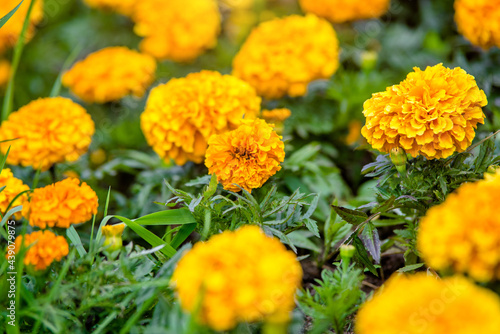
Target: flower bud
399	159
347	252
493	169
113	237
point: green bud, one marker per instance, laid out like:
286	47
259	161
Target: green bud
493	169
347	252
369	60
399	159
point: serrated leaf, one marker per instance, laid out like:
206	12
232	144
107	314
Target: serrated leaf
362	255
212	187
354	217
411	267
371	240
312	226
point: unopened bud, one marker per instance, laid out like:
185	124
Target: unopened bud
347	252
399	159
493	169
113	237
369	60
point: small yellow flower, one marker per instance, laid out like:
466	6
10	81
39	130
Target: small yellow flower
182	114
111	74
13	187
5	69
276	115
463	233
283	56
432	113
125	7
477	21
113	236
247	156
11	30
418	304
47	131
177	30
61	204
241	276
339	11
46	248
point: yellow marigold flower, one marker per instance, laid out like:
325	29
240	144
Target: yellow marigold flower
463	233
10	32
247	156
241	276
125	7
110	74
339	11
61	204
276	115
182	114
432	113
13	187
113	236
46	248
48	131
5	69
177	30
416	304
477	21
283	56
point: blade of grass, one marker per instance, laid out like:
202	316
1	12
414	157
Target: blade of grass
56	89
182	235
75	239
4	160
7	17
168	217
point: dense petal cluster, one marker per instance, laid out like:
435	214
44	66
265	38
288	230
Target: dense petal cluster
177	30
46	248
13	187
247	156
182	114
339	11
11	30
431	113
477	20
463	233
61	204
47	131
276	115
283	56
241	276
5	69
110	74
423	304
125	7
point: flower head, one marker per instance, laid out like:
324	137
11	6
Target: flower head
182	114
61	204
177	30
46	248
247	156
276	115
110	74
339	11
11	30
432	113
283	56
241	276
5	69
113	236
13	187
423	304
477	21
47	131
463	233
125	7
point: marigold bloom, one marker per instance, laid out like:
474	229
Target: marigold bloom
241	276
113	236
110	74
432	113
182	114
125	7
463	233
48	131
283	56
11	30
46	248
339	11
477	21
61	204
177	30
5	69
247	156
13	187
419	303
276	115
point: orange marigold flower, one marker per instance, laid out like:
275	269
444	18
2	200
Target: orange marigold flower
241	276
48	131
11	30
276	115
5	69
477	21
182	114
339	11
247	156
110	74
177	30
13	187
283	56
125	7
46	248
463	233
414	304
61	204
432	113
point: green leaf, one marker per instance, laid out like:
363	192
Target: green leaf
362	255
371	240
301	240
56	89
212	187
168	217
182	235
7	17
354	217
75	240
410	268
4	160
